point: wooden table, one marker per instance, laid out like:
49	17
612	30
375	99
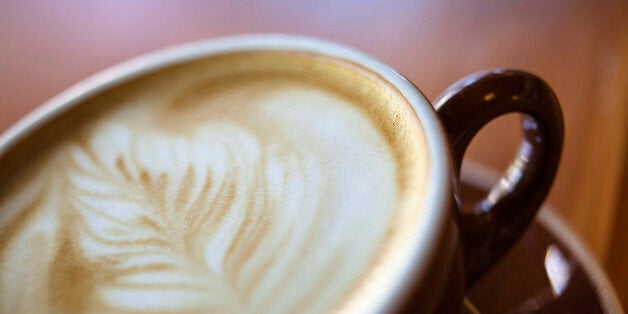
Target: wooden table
580	48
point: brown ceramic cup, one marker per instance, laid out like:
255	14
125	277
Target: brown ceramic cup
492	225
447	248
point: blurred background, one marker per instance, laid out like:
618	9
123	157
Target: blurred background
579	47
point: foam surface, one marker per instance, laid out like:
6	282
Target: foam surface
230	188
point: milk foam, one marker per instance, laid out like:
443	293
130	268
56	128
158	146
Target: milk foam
262	196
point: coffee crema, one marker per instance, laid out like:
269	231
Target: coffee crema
261	182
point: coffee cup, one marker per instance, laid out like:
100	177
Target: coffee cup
262	173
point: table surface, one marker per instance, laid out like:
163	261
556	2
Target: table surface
579	47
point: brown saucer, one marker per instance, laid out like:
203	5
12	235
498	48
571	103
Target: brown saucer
547	271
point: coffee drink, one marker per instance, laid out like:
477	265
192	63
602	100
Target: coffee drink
253	181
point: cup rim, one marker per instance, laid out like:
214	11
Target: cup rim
436	200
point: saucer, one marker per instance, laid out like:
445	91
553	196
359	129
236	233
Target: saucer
547	271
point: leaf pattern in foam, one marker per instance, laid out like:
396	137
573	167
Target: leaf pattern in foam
236	215
148	205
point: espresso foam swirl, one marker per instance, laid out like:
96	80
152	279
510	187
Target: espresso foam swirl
270	196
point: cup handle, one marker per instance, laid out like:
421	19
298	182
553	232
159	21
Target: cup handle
500	218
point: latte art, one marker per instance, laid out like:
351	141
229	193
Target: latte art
200	193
